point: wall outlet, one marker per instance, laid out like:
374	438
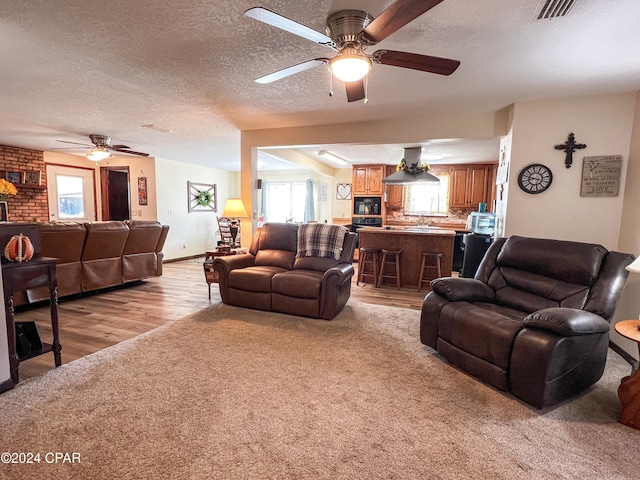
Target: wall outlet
140	212
134	213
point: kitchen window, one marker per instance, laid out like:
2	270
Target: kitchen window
420	199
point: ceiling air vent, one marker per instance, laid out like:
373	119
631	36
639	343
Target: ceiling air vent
548	9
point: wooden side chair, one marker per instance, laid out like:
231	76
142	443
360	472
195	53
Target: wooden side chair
224	227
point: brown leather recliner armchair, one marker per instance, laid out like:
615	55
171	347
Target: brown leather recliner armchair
535	319
271	277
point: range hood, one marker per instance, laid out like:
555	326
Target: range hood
402	177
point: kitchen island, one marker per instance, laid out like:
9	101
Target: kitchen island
412	241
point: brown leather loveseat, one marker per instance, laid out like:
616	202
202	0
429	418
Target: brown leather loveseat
535	319
285	272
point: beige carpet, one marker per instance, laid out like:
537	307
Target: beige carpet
235	394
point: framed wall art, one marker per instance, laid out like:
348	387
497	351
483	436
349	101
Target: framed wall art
202	197
32	178
142	191
14	177
322	192
601	176
343	191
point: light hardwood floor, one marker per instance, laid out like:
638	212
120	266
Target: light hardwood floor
98	321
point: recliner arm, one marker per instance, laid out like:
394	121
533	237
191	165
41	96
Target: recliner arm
343	272
567	322
456	289
223	265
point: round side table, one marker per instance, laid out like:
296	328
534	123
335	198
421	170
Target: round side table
629	389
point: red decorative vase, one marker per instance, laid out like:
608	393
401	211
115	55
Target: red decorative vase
19	249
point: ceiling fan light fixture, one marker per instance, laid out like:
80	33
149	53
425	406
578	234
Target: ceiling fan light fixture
350	65
98	154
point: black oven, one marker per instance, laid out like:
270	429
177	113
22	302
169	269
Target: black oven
367	205
359	222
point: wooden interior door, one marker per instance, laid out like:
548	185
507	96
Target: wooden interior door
114	185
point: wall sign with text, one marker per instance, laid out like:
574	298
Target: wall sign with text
601	176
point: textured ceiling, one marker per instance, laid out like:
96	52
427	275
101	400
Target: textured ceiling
69	68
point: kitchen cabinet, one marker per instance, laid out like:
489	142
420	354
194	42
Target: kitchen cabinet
367	179
395	193
470	185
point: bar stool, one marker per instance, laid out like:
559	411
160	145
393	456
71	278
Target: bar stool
368	257
434	258
390	257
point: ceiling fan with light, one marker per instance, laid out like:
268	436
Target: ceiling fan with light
102	148
350	32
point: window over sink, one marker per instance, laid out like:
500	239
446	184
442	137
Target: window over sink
420	199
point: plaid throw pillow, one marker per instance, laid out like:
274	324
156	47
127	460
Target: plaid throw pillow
320	240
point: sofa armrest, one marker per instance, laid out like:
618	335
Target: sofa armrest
223	265
457	289
343	272
567	322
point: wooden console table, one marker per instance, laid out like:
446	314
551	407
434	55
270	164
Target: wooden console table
629	389
21	276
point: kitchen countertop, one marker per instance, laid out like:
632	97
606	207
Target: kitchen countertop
408	230
451	225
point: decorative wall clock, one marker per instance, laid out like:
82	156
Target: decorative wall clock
535	178
202	197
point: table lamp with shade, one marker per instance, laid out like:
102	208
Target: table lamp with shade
234	210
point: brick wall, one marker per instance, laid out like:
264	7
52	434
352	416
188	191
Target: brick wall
31	202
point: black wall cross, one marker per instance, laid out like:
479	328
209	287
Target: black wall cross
570	146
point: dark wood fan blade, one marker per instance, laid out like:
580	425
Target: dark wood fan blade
276	20
71	148
286	72
396	16
75	143
355	90
118	147
130	152
414	61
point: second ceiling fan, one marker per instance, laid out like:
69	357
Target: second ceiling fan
102	147
350	32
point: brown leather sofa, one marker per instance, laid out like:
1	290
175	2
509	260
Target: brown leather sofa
98	255
535	319
271	277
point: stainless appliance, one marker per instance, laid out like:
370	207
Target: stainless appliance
367	206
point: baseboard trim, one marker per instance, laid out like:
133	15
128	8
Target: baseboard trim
190	257
6	385
624	354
